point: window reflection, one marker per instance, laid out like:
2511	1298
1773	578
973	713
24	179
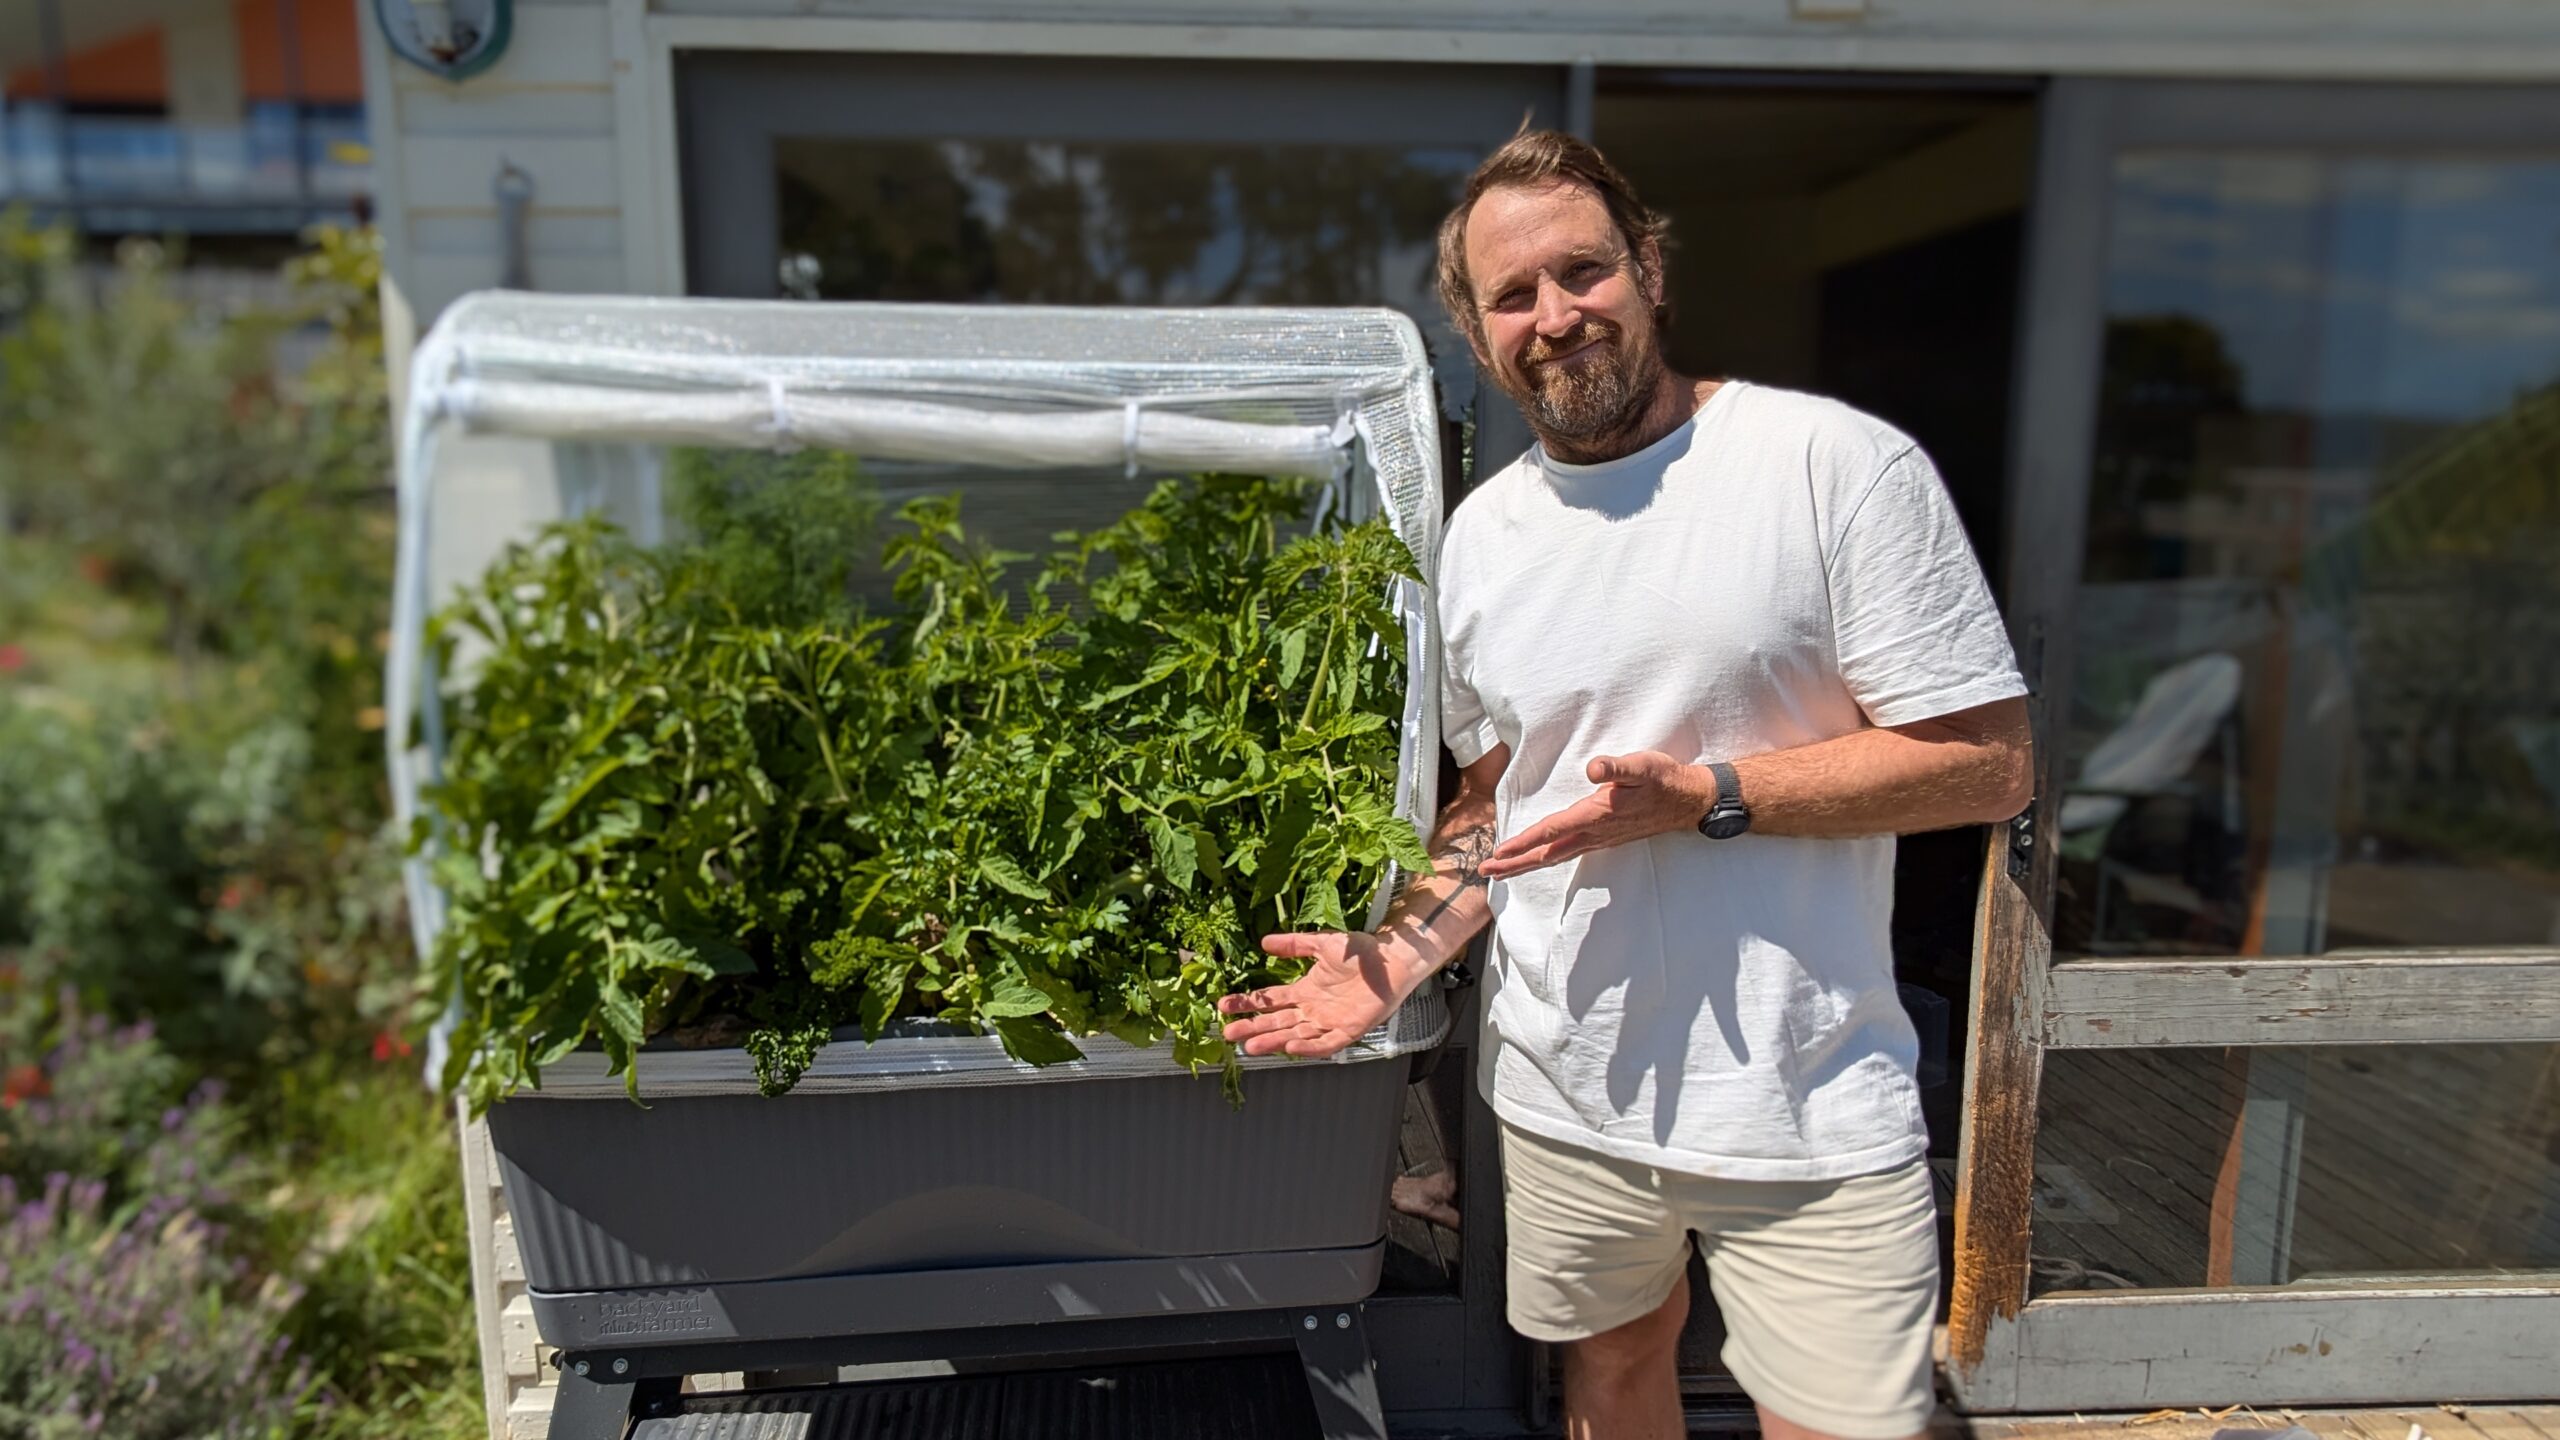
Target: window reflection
2316	702
1048	222
2276	1166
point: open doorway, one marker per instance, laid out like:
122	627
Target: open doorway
1864	240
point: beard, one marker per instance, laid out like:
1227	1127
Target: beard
1604	391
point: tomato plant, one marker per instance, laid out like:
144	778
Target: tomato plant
679	808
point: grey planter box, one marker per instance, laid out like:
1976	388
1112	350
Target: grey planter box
927	1182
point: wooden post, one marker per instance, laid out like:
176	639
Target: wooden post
1995	1163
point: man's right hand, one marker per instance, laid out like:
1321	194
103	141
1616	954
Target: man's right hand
1352	983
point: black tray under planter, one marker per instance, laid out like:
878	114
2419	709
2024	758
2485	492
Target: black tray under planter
928	1182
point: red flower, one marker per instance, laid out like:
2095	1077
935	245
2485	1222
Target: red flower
232	894
24	1082
13	658
388	1046
95	569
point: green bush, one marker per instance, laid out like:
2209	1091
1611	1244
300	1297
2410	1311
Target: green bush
109	1104
162	871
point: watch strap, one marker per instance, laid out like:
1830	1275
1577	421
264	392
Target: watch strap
1727	816
1728	783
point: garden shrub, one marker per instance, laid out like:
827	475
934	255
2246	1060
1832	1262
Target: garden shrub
108	1104
134	1322
129	1302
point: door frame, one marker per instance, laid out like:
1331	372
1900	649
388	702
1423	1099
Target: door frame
2416	1341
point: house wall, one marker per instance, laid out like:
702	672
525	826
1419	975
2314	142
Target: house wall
547	108
580	101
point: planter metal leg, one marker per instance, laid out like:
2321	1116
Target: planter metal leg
1333	1345
584	1409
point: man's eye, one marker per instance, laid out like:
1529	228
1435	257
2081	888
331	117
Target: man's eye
1511	299
1584	270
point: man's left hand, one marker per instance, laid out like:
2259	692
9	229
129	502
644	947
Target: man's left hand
1641	795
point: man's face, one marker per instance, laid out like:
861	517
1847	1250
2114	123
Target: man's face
1566	311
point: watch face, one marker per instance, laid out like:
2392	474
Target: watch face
1726	826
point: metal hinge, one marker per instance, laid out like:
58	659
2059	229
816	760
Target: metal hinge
2022	842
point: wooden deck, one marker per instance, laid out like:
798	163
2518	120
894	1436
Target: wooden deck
2413	1160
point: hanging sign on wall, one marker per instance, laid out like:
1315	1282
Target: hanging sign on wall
456	39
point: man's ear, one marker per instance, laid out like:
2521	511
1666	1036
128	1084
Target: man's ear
1649	268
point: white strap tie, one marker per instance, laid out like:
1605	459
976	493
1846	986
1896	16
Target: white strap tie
1129	438
781	405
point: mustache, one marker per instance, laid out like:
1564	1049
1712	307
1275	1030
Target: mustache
1541	349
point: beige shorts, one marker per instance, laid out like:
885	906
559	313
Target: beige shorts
1829	1288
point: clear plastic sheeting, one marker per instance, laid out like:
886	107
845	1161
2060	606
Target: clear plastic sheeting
1330	394
886	427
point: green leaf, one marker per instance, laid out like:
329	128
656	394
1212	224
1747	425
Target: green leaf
620	1011
557	807
560	1048
1293	657
1033	1043
718	956
881	993
1321	906
1134	1030
1013	998
548	909
1278	861
1177	853
1002	872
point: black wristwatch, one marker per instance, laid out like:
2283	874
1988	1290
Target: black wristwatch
1727	817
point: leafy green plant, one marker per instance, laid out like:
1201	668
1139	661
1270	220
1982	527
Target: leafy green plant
1039	812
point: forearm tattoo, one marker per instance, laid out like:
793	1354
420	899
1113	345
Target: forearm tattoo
1469	848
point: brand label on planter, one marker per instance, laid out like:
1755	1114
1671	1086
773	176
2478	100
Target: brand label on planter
652	1315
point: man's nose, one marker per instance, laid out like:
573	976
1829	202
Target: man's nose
1559	314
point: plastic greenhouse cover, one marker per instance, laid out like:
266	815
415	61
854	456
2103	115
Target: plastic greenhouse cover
1324	393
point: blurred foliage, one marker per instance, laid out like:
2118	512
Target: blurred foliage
776	537
246	511
200	912
127	1306
134	1323
191	806
384	1254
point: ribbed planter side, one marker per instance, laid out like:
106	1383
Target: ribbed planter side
708	1190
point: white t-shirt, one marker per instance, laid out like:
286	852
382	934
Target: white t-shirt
1780	570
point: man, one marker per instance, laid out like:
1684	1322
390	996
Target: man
1710	646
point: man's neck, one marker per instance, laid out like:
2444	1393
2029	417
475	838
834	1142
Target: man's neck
1675	399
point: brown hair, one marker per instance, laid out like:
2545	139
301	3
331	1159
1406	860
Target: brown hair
1534	158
